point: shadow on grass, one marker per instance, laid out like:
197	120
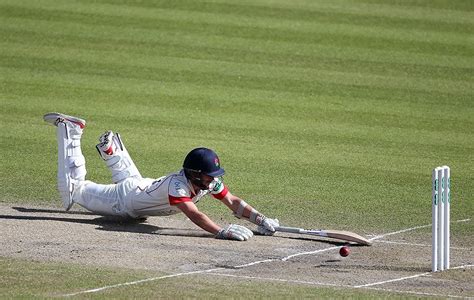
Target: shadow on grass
105	223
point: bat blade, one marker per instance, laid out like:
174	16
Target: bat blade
334	234
346	236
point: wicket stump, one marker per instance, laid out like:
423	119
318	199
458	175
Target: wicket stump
440	218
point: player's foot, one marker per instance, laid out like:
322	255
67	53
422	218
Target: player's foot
54	118
106	145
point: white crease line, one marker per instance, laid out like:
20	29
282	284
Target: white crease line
242	266
391	280
139	281
280	280
307	253
335	285
405	243
407	277
377	237
285	258
255	263
414	244
417	293
371	239
462	267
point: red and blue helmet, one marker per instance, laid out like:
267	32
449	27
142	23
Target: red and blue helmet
199	162
204	161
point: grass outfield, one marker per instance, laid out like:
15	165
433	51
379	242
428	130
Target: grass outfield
324	113
56	283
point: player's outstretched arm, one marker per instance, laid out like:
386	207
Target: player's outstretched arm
230	232
242	210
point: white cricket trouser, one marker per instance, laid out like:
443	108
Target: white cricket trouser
111	199
106	199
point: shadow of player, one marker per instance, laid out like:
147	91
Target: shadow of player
105	223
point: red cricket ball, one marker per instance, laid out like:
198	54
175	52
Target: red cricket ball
344	251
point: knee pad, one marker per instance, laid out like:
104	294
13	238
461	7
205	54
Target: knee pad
71	162
69	146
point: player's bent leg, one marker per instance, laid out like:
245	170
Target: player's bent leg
64	184
71	162
103	199
116	157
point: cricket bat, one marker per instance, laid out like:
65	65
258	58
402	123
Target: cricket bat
334	234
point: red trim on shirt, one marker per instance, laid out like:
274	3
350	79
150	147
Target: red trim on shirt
222	194
177	200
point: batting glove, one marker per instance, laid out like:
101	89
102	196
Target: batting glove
267	227
234	232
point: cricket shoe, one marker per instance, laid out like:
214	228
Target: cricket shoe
106	145
54	118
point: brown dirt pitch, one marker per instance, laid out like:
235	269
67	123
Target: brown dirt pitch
398	262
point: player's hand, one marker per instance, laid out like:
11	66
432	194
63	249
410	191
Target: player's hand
267	227
234	232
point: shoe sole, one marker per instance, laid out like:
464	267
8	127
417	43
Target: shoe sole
54	118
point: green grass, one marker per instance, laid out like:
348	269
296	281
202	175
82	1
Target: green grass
42	280
325	113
